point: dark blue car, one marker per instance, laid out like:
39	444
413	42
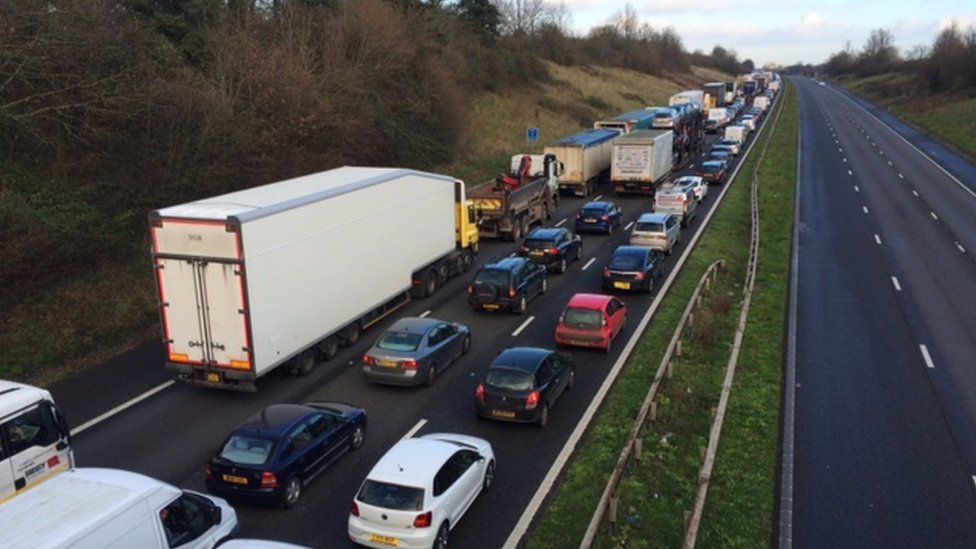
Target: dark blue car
598	216
273	455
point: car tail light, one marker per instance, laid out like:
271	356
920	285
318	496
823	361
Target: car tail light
533	400
208	470
354	509
368	360
511	293
579	216
479	393
524	250
471	289
424	520
605	217
409	364
606	273
640	276
553	251
269	480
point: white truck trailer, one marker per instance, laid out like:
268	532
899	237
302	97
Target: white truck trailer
640	160
585	157
720	114
761	102
696	97
284	273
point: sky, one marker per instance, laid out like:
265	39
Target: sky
784	31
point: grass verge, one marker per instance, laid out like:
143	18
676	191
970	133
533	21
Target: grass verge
657	492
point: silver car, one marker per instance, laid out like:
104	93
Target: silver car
415	351
658	231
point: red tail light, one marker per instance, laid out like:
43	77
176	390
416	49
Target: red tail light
368	360
424	520
553	251
606	272
511	293
524	250
533	400
208	470
409	364
640	276
354	509
471	289
269	480
605	218
479	393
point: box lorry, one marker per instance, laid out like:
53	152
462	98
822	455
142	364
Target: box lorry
731	90
640	160
282	274
737	132
112	509
585	157
695	97
508	205
761	102
35	444
714	95
720	115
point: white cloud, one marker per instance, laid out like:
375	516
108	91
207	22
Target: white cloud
963	20
812	21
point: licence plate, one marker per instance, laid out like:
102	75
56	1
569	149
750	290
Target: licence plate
622	285
234	480
503	413
385	540
590	220
579	343
213	377
536	254
491	307
386	363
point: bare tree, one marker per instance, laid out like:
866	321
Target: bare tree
523	16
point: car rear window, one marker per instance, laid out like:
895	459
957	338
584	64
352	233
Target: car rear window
391	496
539	244
582	318
495	277
708	167
400	341
593	212
510	380
247	450
649	227
626	261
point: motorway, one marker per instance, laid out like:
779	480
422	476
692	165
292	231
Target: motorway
171	433
885	428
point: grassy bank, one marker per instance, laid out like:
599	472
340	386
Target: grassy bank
655	494
81	320
949	117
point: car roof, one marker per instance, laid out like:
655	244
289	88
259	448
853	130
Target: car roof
653	217
521	358
696	178
589	301
275	420
413	461
546	233
595	205
414	324
17	396
505	264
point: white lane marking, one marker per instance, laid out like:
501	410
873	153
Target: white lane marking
413	430
598	197
425	313
877	239
927	356
588	263
128	404
894	280
935	217
849	172
889	163
974	480
561	222
914	192
523	326
880	152
513	254
837	142
865	208
900	176
628	226
961	249
840	149
857	189
845	159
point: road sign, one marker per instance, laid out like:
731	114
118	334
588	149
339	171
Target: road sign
532	134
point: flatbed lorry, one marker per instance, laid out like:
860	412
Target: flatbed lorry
278	276
507	206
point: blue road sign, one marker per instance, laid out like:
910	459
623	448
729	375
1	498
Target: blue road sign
532	134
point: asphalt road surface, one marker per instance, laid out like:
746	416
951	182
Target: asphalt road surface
885	427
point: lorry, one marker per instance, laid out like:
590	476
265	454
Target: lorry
282	274
720	114
585	157
696	97
761	102
508	205
737	133
640	160
640	119
731	90
714	95
113	509
749	89
37	439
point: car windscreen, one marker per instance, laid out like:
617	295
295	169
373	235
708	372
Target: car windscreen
391	496
537	244
662	114
494	277
649	227
400	341
582	318
246	450
626	261
510	379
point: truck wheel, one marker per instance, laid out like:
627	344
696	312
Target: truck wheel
526	225
430	282
328	348
351	334
517	230
305	362
442	274
467	260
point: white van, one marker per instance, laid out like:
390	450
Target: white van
111	509
34	438
737	132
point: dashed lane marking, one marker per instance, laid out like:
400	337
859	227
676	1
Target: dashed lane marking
523	326
926	356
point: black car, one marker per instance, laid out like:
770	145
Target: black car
415	350
632	268
552	247
273	455
523	383
598	216
508	285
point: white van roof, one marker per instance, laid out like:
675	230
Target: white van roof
67	507
17	396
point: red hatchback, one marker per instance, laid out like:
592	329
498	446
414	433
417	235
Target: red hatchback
591	320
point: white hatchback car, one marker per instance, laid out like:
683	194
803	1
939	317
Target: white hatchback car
695	183
419	491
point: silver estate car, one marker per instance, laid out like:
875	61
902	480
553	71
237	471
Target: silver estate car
658	231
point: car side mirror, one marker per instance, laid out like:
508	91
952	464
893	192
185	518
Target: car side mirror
215	514
481	457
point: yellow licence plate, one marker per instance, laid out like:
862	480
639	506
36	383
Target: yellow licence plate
385	540
536	254
503	413
622	285
386	363
235	480
491	307
213	377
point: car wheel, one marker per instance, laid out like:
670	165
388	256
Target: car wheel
572	379
440	542
293	491
606	350
489	476
431	375
522	306
466	345
543	417
358	437
562	266
545	286
610	229
579	252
